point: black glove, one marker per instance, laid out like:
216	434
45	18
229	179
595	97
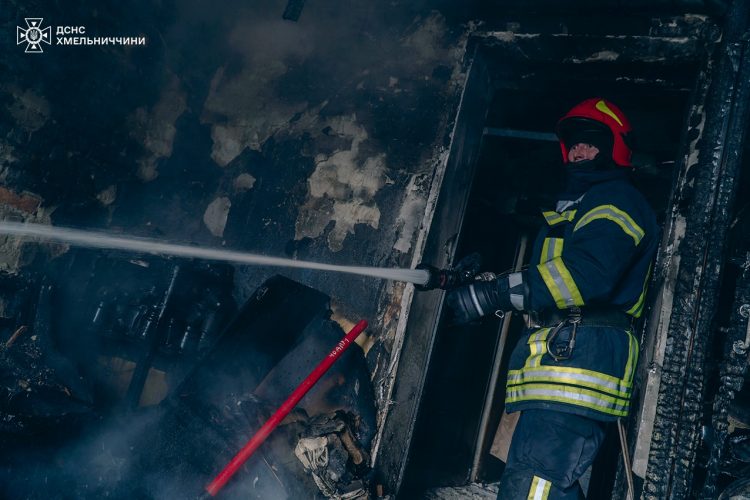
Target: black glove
473	301
446	279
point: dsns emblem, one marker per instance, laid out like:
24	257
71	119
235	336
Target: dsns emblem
34	35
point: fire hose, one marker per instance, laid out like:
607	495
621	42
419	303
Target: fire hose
259	437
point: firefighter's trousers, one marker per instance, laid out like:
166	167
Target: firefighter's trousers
549	452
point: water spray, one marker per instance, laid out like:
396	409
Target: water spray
95	239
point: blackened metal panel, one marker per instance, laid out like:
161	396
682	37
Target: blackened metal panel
426	307
264	329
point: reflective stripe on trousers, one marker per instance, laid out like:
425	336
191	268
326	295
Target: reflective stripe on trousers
539	489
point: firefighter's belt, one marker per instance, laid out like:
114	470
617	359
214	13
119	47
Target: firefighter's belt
590	316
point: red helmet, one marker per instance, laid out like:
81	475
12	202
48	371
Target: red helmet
597	115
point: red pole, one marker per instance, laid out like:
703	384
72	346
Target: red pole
254	443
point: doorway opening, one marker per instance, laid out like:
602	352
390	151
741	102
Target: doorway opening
518	173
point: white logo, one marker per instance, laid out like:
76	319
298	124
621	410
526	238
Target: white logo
33	35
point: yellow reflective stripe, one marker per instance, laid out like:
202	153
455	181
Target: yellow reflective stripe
558	246
539	489
608	379
532	489
572	395
614	214
568	215
571	376
545	250
545	491
537	347
632	359
560	283
554	218
602	106
551	248
637	308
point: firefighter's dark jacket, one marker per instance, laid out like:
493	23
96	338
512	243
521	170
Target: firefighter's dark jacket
596	254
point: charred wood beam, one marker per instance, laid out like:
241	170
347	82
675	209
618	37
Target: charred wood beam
738	109
673	78
601	49
706	194
520	134
589	22
732	372
662	288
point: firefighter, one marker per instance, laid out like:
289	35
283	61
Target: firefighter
572	370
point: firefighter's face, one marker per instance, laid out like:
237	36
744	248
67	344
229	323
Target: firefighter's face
581	152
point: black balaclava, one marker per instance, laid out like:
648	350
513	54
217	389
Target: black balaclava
600	138
581	175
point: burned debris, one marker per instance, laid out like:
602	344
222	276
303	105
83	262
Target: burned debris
217	374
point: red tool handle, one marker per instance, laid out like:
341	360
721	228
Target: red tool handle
254	443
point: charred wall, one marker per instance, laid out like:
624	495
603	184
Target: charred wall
316	139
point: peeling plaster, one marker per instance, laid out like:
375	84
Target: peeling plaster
244	110
692	158
342	188
604	55
411	214
426	47
426	40
107	196
155	129
16	253
243	182
29	109
7	157
509	36
215	216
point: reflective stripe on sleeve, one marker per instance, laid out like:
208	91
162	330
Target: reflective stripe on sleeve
539	489
614	214
560	283
515	284
576	396
475	300
551	248
637	308
516	300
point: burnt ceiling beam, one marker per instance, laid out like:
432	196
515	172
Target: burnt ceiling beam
580	49
678	78
531	135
